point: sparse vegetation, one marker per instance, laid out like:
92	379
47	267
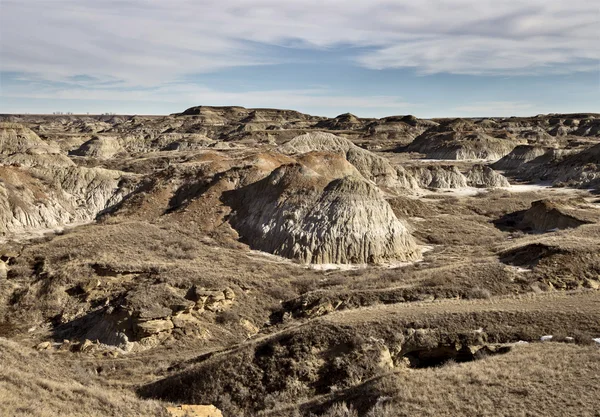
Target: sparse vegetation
161	299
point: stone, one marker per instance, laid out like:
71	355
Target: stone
44	346
229	294
86	346
151	327
250	328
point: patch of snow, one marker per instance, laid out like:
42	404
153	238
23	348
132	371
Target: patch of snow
340	267
455	192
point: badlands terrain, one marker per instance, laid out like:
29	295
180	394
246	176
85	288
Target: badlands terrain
265	262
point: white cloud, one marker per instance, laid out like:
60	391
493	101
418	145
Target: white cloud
150	42
176	97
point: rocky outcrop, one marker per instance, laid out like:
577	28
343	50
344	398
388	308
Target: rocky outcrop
371	166
462	140
482	176
346	121
577	168
545	215
41	198
301	214
519	156
16	138
100	147
460	147
438	176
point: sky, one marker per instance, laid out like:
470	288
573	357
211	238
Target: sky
373	58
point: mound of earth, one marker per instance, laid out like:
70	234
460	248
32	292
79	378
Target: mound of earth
316	217
519	156
99	147
529	255
460	140
41	198
438	176
371	166
579	170
545	215
399	130
16	138
482	176
346	121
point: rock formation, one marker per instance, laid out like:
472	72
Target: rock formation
482	176
301	214
545	215
577	168
371	166
438	176
41	198
99	147
461	140
346	121
519	156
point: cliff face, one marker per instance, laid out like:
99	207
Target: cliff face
41	188
42	198
301	214
519	156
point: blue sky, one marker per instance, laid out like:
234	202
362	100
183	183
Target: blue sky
373	58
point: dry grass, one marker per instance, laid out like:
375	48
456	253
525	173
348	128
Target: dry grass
42	385
322	333
534	380
343	349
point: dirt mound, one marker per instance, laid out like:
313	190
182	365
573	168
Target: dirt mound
438	176
457	141
44	198
545	215
371	166
519	156
16	138
529	255
580	170
346	121
576	168
301	214
482	176
99	147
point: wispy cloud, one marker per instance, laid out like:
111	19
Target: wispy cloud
149	42
177	94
